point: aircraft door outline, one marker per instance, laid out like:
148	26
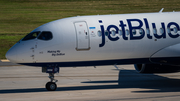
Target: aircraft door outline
82	36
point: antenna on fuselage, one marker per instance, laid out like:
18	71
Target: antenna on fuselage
161	10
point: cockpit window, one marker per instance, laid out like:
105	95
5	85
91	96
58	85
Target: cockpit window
45	35
30	36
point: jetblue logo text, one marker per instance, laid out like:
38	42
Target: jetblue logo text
123	28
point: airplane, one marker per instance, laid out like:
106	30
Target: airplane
150	41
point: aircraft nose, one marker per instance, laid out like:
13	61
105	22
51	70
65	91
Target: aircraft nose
11	54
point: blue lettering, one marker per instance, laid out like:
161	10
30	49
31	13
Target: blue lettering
103	36
177	26
138	26
109	36
147	27
163	35
164	31
132	37
122	25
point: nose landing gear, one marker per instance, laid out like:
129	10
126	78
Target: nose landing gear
51	86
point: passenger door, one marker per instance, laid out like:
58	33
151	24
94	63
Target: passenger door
82	36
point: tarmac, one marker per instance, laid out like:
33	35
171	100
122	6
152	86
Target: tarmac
103	83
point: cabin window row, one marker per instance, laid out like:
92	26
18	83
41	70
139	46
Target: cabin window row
134	31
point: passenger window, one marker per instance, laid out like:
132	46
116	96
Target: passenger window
45	35
168	30
161	30
134	32
147	31
140	31
113	32
127	32
99	33
120	32
30	36
106	33
154	31
175	29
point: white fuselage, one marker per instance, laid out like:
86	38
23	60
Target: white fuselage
102	40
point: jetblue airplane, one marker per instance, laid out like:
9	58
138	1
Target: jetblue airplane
151	41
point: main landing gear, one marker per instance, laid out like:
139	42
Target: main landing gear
51	86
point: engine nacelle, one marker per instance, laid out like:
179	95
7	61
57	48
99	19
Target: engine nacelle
156	68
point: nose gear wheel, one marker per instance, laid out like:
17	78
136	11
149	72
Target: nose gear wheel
51	86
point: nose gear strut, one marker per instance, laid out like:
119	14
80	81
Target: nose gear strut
51	86
51	77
